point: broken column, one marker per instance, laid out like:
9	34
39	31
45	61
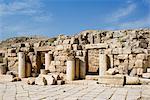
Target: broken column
102	64
28	69
21	65
48	59
70	70
38	62
77	68
82	69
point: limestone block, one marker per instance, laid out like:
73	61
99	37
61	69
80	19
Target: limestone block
112	71
112	79
126	50
133	72
116	62
131	64
123	69
31	81
21	65
40	80
43	71
123	56
138	50
59	47
148	70
52	68
98	46
67	41
132	56
68	46
76	47
60	82
13	54
132	80
55	75
92	77
62	76
115	51
146	75
139	63
117	34
108	51
70	70
141	56
57	63
6	78
103	65
3	68
74	40
79	53
50	79
139	71
15	79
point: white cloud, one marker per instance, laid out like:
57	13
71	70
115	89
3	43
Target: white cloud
117	20
123	12
21	7
32	8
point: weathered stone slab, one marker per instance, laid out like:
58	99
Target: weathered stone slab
91	77
44	48
146	75
98	46
112	79
132	80
6	78
59	47
148	70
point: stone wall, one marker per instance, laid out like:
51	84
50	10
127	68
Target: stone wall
128	51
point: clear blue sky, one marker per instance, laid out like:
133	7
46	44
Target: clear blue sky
53	17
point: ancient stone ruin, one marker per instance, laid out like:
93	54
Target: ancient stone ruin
110	57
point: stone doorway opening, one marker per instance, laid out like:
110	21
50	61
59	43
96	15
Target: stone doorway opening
93	62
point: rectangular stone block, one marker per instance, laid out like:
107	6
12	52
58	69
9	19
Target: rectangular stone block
123	56
6	78
111	79
141	56
126	50
59	47
139	63
96	46
148	70
66	41
117	51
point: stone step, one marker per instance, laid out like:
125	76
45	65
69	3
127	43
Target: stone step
112	80
91	77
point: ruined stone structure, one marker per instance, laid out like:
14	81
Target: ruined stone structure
95	52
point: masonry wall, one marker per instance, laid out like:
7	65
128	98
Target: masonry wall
128	50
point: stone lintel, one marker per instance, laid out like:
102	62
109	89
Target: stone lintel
44	48
96	46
